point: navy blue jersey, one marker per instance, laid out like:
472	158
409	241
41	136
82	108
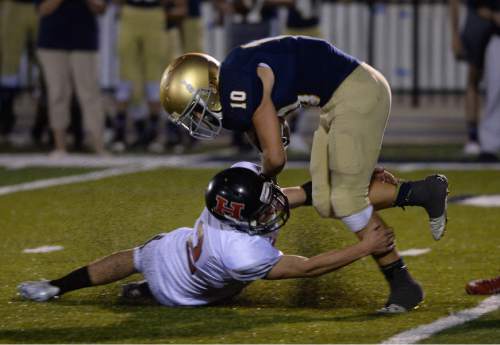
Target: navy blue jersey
194	8
72	26
306	71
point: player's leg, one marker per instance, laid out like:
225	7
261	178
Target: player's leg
475	37
155	50
489	130
192	34
109	269
349	139
173	133
85	75
130	75
13	32
56	69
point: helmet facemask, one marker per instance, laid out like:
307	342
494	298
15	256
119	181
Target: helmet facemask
201	122
271	215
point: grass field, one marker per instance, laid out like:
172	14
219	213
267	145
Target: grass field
93	219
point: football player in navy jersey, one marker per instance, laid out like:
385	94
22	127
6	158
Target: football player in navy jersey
260	83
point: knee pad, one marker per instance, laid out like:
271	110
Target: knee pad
359	220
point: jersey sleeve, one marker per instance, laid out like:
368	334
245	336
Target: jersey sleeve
251	258
241	94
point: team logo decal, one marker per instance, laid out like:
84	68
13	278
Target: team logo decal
225	207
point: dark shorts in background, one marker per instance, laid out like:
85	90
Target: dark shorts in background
476	35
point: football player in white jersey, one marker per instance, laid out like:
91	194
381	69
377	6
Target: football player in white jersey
230	245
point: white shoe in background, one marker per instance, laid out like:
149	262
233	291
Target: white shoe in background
472	148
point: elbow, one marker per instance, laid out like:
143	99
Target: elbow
278	163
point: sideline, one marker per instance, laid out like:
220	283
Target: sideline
419	333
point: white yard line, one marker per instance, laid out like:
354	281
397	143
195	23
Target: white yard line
415	251
202	160
417	334
482	201
122	166
58	181
42	249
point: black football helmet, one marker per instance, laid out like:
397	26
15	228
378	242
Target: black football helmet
247	201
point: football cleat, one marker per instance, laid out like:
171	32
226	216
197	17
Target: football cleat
403	299
136	290
39	291
392	309
483	286
437	204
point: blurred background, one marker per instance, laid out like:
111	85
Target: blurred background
83	75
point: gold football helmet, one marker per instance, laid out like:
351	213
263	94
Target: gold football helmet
190	96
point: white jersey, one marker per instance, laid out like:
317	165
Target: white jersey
204	264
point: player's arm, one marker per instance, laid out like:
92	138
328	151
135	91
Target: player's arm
47	7
376	240
267	128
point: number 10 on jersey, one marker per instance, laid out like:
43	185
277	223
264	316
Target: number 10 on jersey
238	99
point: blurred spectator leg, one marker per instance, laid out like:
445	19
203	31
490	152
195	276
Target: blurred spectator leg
156	53
7	117
490	123
86	77
75	125
174	48
57	71
472	100
41	117
475	37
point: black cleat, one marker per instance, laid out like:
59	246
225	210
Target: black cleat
403	299
436	204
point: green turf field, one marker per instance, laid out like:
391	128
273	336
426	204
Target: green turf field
14	176
93	219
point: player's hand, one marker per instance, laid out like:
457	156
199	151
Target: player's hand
379	240
384	176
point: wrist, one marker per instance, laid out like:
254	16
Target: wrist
365	248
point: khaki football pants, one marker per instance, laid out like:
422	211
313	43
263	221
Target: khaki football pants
17	22
142	46
310	31
347	143
192	35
